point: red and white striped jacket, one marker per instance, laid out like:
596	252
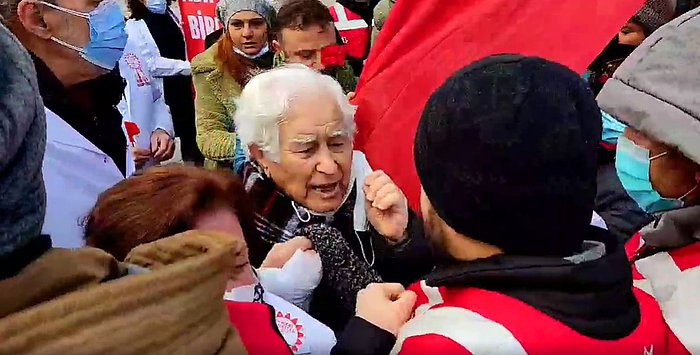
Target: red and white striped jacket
476	321
354	31
673	279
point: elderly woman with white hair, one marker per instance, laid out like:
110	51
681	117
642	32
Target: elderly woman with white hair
306	180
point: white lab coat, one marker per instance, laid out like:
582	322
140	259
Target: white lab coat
75	173
143	102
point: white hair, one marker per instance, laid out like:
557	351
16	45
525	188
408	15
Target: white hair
267	97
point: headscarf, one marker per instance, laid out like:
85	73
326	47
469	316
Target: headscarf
227	8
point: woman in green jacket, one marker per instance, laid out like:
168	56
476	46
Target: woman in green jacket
220	72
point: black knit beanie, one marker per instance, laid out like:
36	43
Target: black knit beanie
506	153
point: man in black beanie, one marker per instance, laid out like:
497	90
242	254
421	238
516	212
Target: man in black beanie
506	155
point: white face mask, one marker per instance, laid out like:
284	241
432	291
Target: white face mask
263	51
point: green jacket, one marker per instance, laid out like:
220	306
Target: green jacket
381	12
345	75
214	107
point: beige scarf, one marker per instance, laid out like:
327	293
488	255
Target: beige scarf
82	302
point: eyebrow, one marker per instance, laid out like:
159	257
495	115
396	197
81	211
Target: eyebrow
303	140
338	133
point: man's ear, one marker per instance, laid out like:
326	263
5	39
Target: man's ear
31	15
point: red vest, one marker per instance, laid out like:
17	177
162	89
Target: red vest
353	30
673	278
476	321
257	328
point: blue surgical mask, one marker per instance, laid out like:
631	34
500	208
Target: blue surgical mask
612	128
157	6
107	34
632	163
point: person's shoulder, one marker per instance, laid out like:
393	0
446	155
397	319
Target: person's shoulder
205	62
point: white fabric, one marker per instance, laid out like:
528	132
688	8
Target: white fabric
75	173
477	334
291	321
144	101
434	298
296	280
598	221
359	171
677	293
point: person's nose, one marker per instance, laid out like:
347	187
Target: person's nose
326	163
247	31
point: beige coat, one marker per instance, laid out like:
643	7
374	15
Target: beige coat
83	302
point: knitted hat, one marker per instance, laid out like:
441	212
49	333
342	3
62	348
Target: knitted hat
506	153
227	8
655	13
22	144
655	88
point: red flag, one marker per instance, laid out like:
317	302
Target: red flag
132	130
423	42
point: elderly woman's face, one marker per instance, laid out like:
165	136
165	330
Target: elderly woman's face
315	154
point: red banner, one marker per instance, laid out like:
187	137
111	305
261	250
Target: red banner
423	42
198	20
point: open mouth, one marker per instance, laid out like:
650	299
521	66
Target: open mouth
240	266
327	191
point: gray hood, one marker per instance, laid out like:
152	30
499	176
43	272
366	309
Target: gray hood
22	143
656	89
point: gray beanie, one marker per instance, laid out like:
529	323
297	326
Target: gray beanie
227	8
655	90
22	145
655	13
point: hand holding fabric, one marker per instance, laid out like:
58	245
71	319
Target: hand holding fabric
282	252
140	156
388	306
386	206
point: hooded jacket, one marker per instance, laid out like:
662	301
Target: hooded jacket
654	92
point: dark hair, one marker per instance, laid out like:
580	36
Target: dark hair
300	14
138	9
161	202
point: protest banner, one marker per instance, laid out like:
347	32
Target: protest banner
198	20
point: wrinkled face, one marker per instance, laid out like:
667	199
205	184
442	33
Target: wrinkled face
225	221
304	46
248	32
631	34
315	154
671	175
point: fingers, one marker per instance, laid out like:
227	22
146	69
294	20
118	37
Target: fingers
391	291
374	182
302	243
406	301
154	143
387	197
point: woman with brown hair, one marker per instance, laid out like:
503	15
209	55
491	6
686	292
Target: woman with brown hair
168	200
221	72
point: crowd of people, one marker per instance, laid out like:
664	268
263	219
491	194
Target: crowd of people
559	211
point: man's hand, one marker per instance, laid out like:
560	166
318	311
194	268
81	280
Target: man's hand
162	145
388	306
282	252
386	206
140	156
350	95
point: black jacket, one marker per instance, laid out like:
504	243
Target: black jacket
594	297
620	212
89	107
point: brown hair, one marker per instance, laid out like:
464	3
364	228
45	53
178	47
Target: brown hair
230	62
300	14
161	202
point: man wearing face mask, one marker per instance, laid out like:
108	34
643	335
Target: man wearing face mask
75	45
658	164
